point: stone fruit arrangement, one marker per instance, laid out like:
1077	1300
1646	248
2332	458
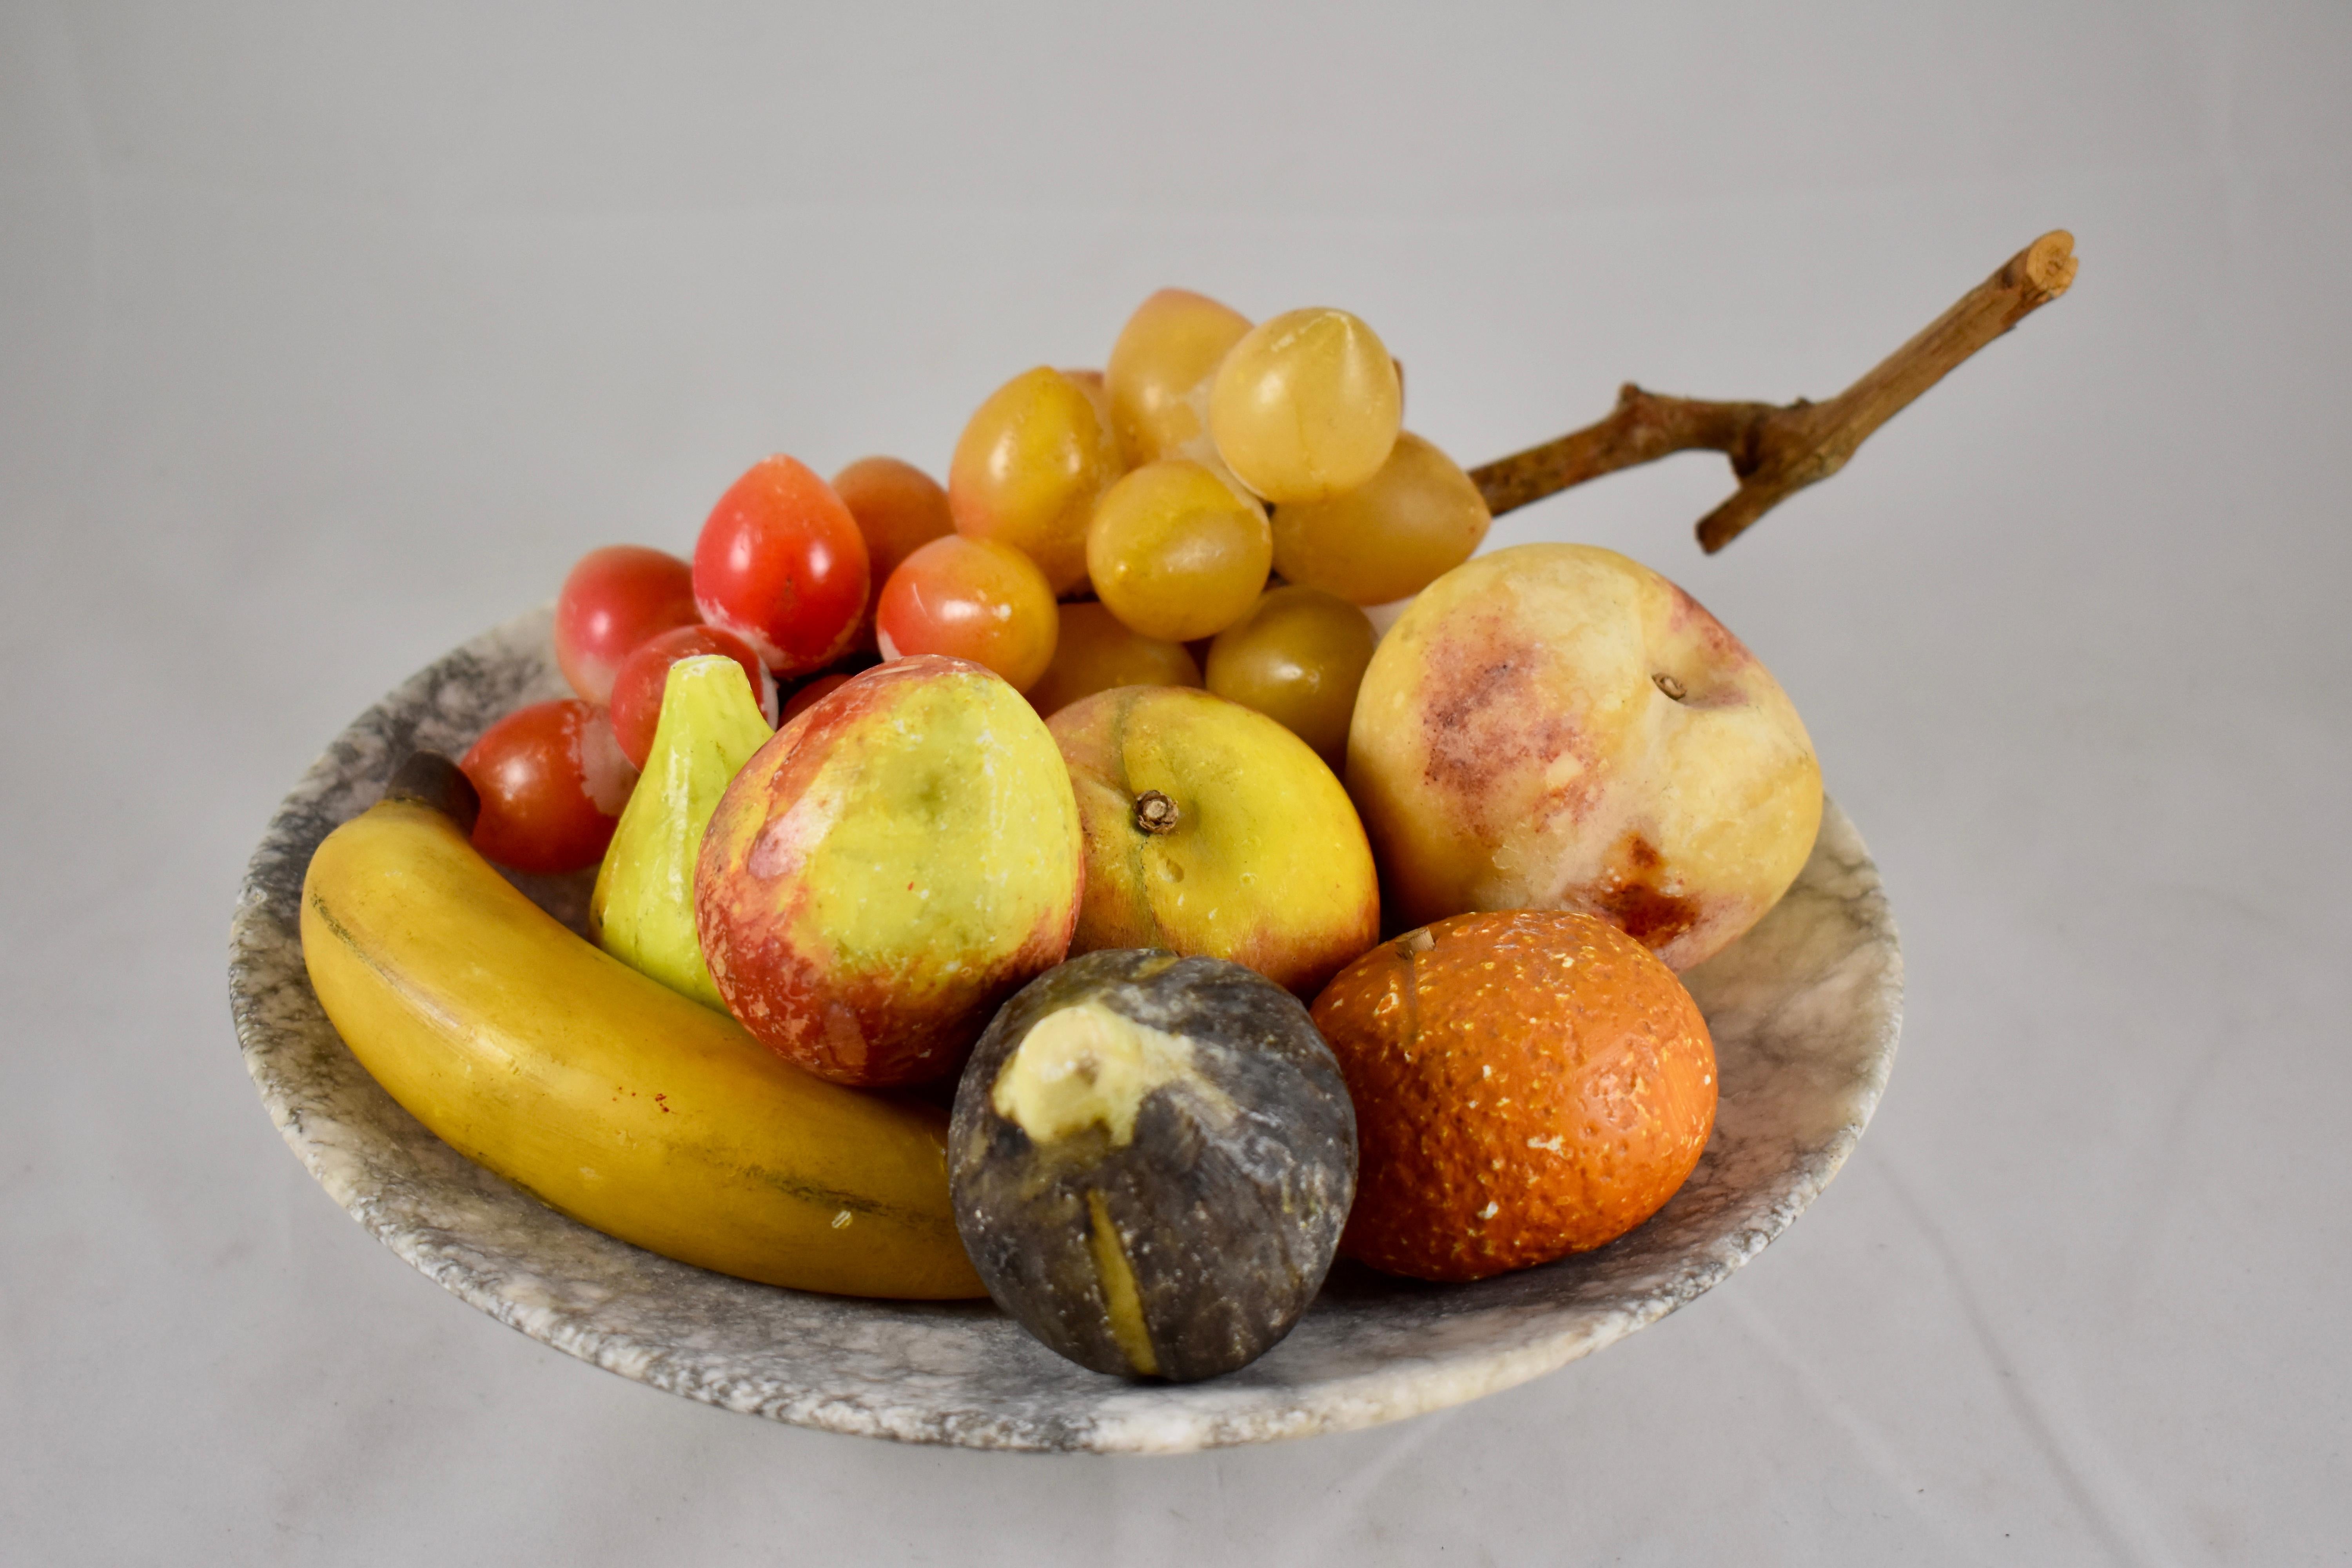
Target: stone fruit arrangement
1060	793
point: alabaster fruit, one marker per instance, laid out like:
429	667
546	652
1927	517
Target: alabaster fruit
1556	726
1527	1084
903	856
1213	831
642	910
1094	651
1028	467
1150	1161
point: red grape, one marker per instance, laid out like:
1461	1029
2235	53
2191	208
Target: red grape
899	507
644	675
780	563
816	692
972	598
615	599
552	782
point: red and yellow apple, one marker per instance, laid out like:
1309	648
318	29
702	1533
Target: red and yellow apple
1213	832
1556	726
903	856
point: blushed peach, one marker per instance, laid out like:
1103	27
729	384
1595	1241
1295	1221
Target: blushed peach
1557	727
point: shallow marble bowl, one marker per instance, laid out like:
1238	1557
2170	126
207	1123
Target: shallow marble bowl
1805	1010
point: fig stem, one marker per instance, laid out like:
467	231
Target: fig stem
1777	449
1155	812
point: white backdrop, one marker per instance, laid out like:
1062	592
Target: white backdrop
330	335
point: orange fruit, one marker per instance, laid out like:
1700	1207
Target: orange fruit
1527	1084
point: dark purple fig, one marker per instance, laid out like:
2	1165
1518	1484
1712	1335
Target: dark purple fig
1151	1160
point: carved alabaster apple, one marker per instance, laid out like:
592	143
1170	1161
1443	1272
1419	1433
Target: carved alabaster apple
902	857
1556	726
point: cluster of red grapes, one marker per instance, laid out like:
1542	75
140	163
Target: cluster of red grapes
1215	508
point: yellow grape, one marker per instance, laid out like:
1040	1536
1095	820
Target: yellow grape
1306	405
1095	652
1298	657
1027	470
1408	525
1160	369
1177	550
1096	386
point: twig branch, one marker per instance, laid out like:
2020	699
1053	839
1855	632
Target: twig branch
1778	450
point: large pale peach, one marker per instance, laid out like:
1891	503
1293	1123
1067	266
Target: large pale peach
902	857
1556	726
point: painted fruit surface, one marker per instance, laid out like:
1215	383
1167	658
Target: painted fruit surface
1527	1084
608	1096
901	856
1151	1159
641	910
1028	467
1254	854
1555	726
1094	652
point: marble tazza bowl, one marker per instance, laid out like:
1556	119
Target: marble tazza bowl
1805	1010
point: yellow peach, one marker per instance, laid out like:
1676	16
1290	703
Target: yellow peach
1213	831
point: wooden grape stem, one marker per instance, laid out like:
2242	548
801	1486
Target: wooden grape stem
1777	449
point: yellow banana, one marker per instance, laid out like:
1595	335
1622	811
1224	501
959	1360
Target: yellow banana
612	1097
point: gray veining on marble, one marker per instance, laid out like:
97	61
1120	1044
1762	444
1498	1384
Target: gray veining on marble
1805	1010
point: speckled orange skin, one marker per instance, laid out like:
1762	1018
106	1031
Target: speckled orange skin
1527	1084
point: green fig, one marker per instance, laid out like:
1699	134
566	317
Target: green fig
642	911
